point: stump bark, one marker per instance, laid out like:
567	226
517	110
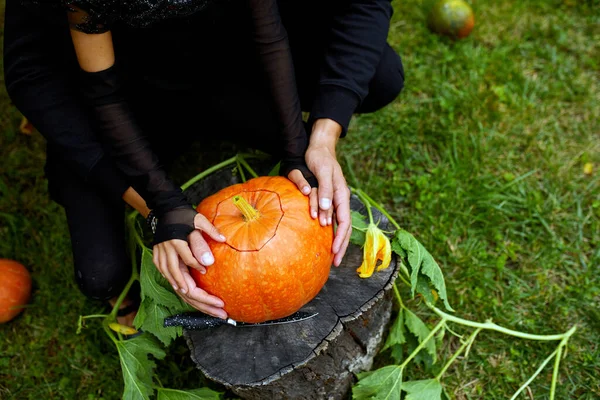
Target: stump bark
311	359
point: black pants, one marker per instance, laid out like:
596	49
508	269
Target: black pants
239	110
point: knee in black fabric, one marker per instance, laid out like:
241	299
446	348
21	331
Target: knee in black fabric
387	83
102	279
102	267
97	230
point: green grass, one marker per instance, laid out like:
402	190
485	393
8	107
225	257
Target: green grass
481	158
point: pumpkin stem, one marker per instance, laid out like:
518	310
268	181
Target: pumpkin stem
250	213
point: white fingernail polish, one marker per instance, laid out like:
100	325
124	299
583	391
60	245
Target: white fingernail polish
183	291
306	190
314	214
329	221
175	288
222	237
325	203
203	271
207	258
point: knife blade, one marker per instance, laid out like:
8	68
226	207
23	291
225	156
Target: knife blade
195	321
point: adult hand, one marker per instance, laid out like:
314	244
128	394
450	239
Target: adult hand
172	258
333	193
195	296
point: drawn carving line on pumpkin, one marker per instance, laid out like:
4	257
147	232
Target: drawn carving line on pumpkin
261	217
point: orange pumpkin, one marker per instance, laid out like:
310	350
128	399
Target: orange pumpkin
15	289
276	257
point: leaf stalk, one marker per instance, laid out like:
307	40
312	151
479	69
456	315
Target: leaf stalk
421	345
467	343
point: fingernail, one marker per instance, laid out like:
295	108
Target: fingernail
314	214
323	221
222	237
325	203
183	291
207	258
329	221
306	190
175	288
203	271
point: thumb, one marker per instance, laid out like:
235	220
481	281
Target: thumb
298	179
203	224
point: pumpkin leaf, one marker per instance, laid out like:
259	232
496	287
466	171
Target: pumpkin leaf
196	394
396	338
384	383
140	316
397	353
158	302
275	170
137	367
423	357
432	270
421	262
403	269
418	328
424	289
359	228
396	335
397	248
154	285
428	389
151	319
414	254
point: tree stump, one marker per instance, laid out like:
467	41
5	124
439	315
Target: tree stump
311	359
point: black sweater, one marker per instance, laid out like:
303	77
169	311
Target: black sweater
40	76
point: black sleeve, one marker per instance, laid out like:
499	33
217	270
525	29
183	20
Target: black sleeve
271	42
357	40
38	82
134	156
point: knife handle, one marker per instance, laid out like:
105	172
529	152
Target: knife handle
194	321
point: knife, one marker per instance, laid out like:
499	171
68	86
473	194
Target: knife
195	321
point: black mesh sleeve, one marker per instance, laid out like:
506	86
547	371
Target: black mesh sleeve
273	50
88	20
132	152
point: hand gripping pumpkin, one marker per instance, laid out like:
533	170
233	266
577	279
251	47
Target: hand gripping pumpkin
276	257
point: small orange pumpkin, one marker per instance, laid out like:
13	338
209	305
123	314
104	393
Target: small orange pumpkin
276	257
15	289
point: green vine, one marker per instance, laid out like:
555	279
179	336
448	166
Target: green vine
377	384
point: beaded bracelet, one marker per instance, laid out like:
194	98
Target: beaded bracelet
152	221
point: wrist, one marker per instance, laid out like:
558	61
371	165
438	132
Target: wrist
325	133
136	201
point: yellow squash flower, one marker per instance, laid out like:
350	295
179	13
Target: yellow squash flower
377	247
